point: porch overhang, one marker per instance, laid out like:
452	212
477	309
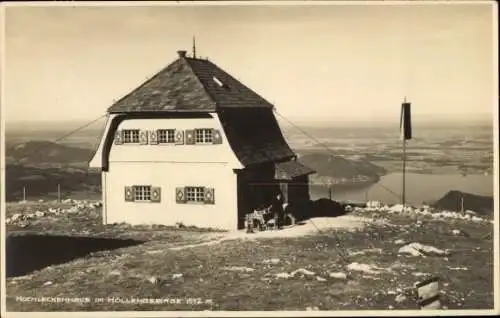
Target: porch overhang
289	170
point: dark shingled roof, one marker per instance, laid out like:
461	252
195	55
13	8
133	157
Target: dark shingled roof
196	85
188	84
255	136
291	169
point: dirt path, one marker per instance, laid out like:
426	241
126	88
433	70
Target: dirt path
309	227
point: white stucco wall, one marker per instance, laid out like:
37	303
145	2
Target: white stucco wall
168	167
168	176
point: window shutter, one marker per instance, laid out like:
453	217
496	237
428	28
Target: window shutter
155	194
216	137
118	137
143	137
190	137
179	137
209	195
180	195
129	194
153	137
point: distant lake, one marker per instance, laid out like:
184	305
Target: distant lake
420	188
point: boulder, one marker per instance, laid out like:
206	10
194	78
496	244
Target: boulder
417	249
327	208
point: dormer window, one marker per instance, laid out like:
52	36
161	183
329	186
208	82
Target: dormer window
218	82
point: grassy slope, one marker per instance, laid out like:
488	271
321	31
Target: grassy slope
205	278
88	222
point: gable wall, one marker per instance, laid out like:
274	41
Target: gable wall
168	166
220	153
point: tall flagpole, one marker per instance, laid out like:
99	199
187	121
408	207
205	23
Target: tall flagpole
405	134
403	196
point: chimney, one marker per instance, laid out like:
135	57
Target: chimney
182	53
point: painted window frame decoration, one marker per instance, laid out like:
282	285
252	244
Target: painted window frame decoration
197	136
143	193
202	195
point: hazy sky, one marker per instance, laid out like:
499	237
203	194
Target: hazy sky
313	62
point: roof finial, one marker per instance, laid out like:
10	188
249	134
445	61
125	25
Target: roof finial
405	100
194	47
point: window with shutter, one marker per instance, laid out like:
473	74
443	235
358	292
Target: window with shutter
155	194
217	137
153	137
142	193
118	138
143	137
209	195
190	137
179	137
180	196
129	194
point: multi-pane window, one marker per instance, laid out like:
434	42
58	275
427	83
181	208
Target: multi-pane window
130	136
142	193
166	136
203	136
195	194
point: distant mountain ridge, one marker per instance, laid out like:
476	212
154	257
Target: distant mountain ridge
44	152
341	170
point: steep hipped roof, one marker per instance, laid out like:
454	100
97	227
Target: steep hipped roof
189	84
196	85
255	136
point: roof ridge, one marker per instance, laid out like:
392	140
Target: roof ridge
173	88
187	61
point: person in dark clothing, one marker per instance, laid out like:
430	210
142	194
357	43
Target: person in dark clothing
277	209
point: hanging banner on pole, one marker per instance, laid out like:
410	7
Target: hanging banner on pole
405	121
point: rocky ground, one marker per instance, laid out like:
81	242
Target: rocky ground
370	258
